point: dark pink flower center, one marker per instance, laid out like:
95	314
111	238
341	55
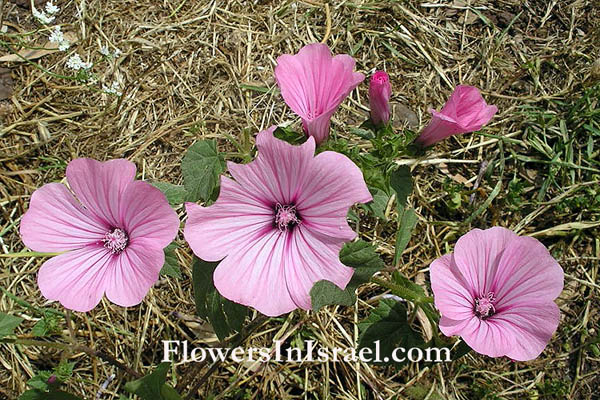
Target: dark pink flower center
115	240
286	217
484	306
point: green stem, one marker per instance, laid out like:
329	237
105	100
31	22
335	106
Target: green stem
403	292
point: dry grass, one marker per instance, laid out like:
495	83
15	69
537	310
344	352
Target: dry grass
195	69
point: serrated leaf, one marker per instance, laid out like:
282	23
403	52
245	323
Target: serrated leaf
359	255
363	133
387	324
289	135
47	325
175	194
152	386
8	323
379	203
401	182
171	266
224	315
408	220
201	168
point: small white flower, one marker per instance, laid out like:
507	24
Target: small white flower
117	53
64	45
76	63
42	17
57	36
105	51
51	8
114	88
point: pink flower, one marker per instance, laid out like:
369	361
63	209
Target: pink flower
497	292
380	91
279	227
465	112
113	233
314	84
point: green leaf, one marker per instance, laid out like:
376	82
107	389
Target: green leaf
407	223
171	266
401	182
359	255
48	325
461	349
363	133
379	203
287	134
224	315
388	324
35	394
201	168
175	194
8	323
417	295
153	386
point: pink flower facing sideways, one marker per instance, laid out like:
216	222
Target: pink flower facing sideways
380	91
464	112
279	226
111	227
313	84
497	292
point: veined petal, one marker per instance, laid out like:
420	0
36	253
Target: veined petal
530	325
526	273
254	275
278	171
452	295
133	272
313	84
55	221
77	279
332	185
235	220
100	185
309	258
487	337
144	212
477	254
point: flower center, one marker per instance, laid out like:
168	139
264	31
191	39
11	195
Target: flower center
484	306
115	240
286	217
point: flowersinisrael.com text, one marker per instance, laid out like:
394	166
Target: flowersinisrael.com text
181	351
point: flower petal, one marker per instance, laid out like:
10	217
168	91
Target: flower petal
526	272
278	171
144	212
477	254
235	220
451	293
254	275
77	279
332	185
313	83
133	272
486	337
55	221
309	258
100	185
530	325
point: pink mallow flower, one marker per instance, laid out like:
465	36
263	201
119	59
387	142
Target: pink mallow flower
464	112
380	91
279	226
111	227
314	84
497	292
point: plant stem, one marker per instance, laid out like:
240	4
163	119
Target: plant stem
403	292
29	254
75	348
